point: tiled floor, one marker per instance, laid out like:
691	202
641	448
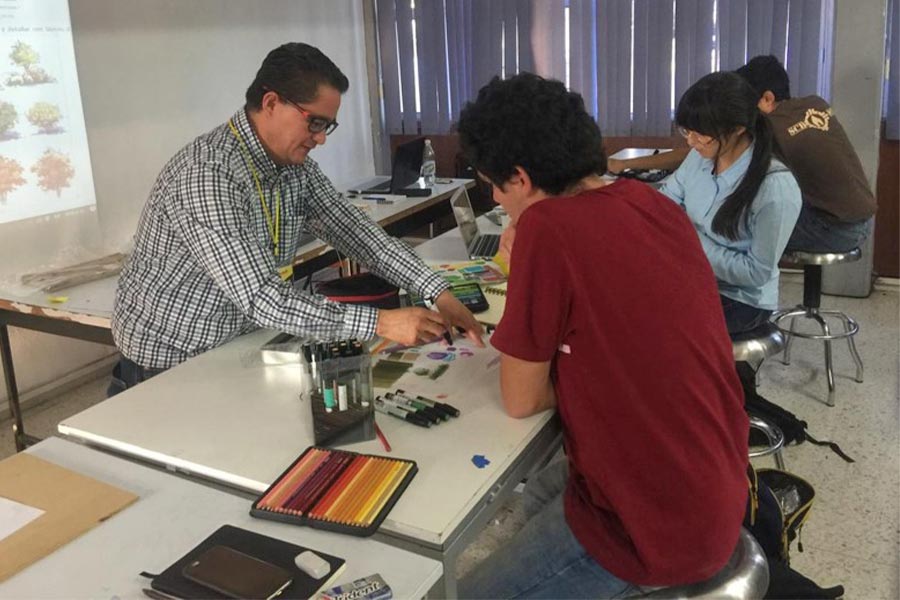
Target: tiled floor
853	534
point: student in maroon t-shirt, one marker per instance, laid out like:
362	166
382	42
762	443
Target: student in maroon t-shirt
613	318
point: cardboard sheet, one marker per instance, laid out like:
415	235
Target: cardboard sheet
72	505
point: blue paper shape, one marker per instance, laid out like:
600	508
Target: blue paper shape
480	461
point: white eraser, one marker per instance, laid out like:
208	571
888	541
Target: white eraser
312	564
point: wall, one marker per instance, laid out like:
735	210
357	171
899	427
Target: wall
887	223
156	73
856	90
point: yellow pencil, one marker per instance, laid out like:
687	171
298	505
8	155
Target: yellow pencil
392	487
364	489
348	495
376	495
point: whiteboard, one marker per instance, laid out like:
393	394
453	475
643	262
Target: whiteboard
153	75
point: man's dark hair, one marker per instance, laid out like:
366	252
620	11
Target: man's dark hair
766	73
295	70
534	123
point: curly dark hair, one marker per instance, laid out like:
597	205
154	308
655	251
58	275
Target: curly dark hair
295	70
534	123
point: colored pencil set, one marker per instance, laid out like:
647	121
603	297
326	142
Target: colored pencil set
336	490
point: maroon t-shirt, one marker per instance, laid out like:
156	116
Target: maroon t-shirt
613	287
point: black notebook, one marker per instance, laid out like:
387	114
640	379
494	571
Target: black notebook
276	552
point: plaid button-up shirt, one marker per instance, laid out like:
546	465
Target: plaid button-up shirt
203	270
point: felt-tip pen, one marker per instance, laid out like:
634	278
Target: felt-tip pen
453	412
429	304
381	407
436	416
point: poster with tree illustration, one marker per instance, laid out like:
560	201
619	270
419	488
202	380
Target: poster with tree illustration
54	172
10	177
27	59
45	165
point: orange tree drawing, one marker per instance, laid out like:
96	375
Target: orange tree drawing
8	117
54	171
26	57
10	176
44	116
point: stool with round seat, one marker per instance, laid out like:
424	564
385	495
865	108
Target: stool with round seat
810	309
756	345
746	575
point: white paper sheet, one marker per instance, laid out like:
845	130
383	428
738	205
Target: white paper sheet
14	516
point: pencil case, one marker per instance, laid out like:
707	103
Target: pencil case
336	490
364	288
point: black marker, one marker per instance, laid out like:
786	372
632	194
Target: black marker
381	407
453	412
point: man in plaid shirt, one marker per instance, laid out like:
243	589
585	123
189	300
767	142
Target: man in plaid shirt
218	234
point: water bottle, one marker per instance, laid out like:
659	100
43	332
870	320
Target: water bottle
428	165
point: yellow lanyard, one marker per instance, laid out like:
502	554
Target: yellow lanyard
274	227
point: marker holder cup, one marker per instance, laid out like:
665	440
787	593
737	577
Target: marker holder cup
342	400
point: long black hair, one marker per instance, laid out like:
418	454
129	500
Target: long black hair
716	105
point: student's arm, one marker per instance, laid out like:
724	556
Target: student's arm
536	318
526	386
664	160
774	214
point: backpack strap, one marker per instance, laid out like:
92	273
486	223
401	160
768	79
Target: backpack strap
834	447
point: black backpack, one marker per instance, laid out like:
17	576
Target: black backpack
777	508
793	428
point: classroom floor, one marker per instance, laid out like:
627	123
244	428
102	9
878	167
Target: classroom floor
853	534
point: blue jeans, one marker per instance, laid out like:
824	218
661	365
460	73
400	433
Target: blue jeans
819	231
544	560
740	317
127	374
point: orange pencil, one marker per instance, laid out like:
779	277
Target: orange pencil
348	495
359	494
297	475
373	491
386	478
337	488
398	477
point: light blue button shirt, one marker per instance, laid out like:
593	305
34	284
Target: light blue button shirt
746	268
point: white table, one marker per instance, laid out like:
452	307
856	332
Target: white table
86	313
224	417
170	517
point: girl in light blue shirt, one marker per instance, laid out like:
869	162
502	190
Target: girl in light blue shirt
742	202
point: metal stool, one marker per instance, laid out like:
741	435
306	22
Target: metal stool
744	576
775	438
755	346
812	293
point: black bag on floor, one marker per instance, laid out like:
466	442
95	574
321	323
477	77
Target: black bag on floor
793	428
775	528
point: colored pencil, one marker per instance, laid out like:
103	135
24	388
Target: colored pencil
339	487
393	487
296	475
386	478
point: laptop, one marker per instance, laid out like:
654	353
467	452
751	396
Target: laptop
478	245
405	169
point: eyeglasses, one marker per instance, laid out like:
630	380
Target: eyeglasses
315	123
703	140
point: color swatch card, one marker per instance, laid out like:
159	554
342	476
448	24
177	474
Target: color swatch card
336	490
484	272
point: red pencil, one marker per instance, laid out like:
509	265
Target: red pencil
380	434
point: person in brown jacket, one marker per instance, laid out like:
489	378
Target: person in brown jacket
837	202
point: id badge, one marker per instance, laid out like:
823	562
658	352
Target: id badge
286	272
